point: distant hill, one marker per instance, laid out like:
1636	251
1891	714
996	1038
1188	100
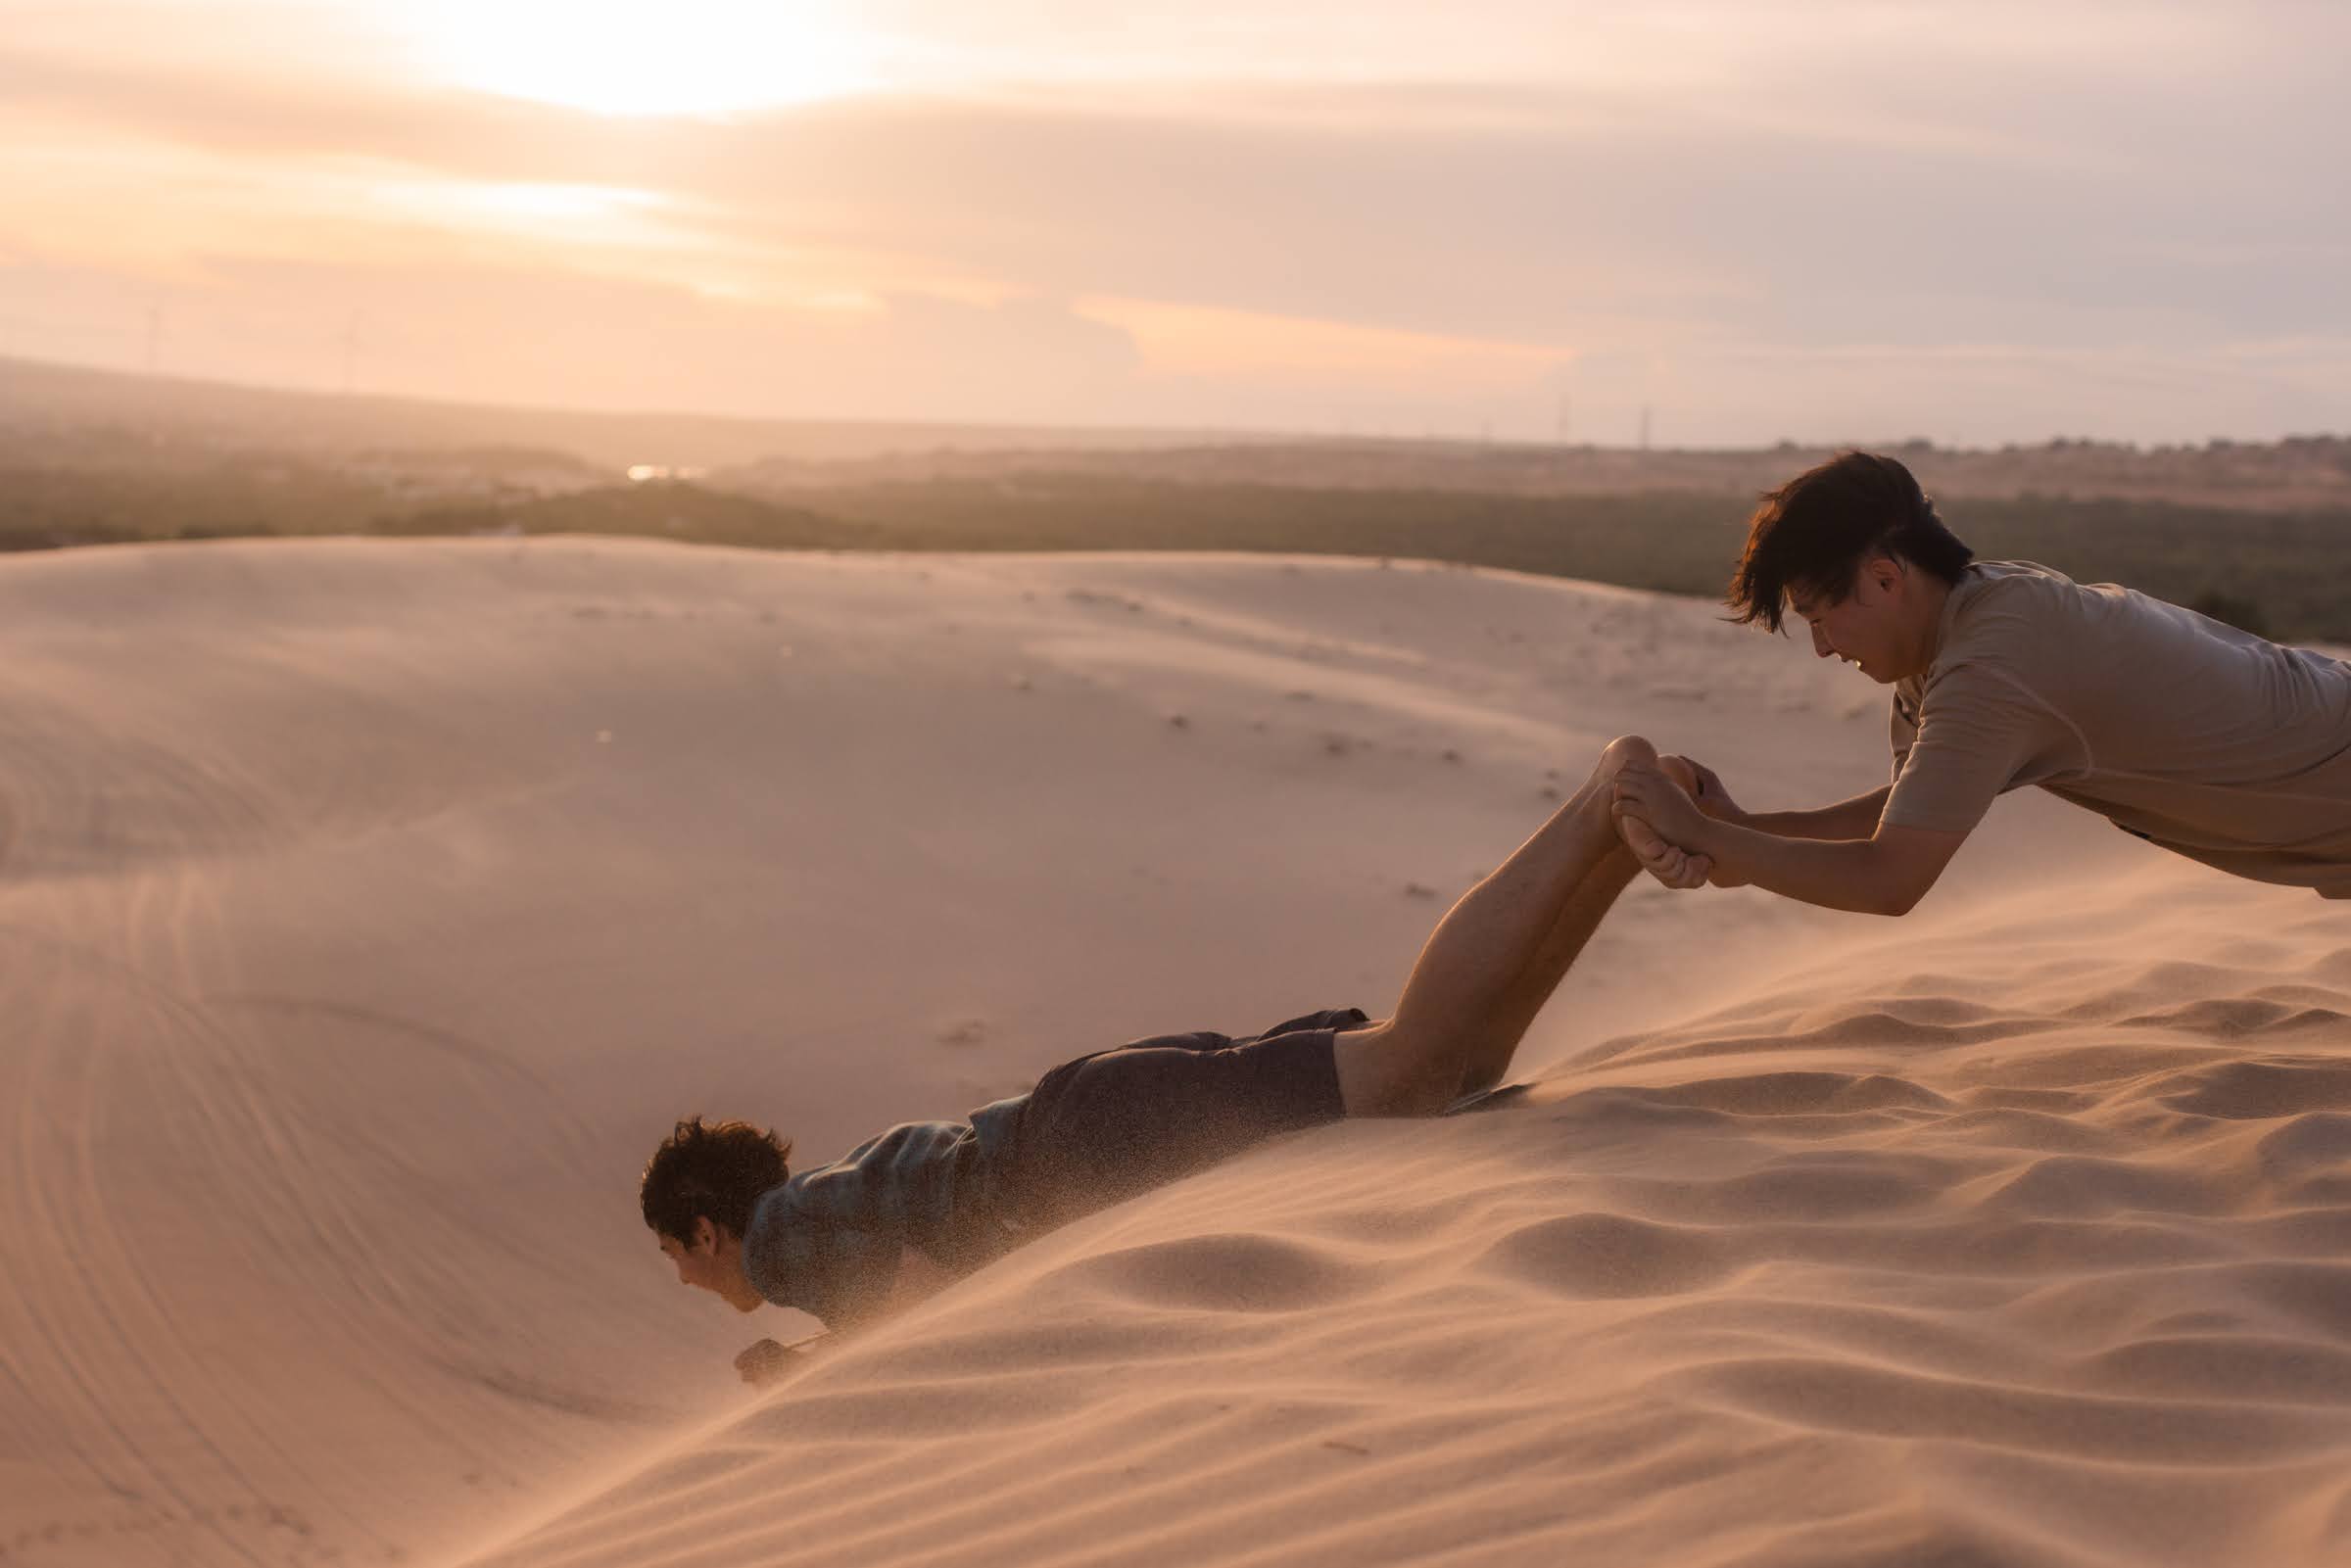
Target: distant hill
54	415
37	399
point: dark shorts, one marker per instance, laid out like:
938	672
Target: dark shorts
1108	1126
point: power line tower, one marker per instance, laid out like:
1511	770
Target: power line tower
351	353
1566	424
154	337
1645	427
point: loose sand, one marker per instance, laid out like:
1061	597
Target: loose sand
367	910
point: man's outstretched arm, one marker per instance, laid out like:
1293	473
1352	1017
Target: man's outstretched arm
1682	867
1867	866
1856	818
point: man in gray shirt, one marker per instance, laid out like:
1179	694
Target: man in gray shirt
888	1223
2193	734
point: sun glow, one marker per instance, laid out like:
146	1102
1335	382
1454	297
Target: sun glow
628	57
567	214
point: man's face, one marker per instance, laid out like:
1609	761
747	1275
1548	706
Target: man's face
1871	627
713	1261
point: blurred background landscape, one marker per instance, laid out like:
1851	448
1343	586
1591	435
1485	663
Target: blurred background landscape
1551	287
2256	534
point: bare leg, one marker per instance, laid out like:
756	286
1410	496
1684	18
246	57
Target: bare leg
1494	959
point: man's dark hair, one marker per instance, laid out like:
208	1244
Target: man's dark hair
1811	535
714	1172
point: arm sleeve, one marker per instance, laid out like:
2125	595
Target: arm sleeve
1979	732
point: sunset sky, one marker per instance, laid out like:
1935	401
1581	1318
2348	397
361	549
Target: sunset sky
1976	222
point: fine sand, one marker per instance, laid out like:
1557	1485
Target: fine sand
367	910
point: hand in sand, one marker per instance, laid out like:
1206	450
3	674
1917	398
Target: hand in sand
765	1361
1663	859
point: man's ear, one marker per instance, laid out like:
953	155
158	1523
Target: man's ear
1885	573
705	1234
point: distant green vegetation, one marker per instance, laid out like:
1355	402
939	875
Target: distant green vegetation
45	507
2283	574
101	485
2280	573
662	508
1674	541
1661	541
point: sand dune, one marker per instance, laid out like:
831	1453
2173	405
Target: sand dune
1853	1271
367	910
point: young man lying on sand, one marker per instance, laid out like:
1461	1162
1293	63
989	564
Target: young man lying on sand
2193	734
902	1215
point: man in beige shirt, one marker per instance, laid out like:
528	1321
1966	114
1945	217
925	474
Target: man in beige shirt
2193	734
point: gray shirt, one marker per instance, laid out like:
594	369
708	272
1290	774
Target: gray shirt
828	1240
2200	737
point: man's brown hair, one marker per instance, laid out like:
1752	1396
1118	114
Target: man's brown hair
710	1172
1810	536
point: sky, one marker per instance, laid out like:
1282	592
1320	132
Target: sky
1723	223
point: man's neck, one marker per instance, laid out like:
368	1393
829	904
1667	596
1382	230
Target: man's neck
1935	596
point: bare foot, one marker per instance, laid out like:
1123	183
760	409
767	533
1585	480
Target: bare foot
1667	863
1627	749
1624	752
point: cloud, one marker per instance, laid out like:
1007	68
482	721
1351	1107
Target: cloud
1522	214
2135	186
507	335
